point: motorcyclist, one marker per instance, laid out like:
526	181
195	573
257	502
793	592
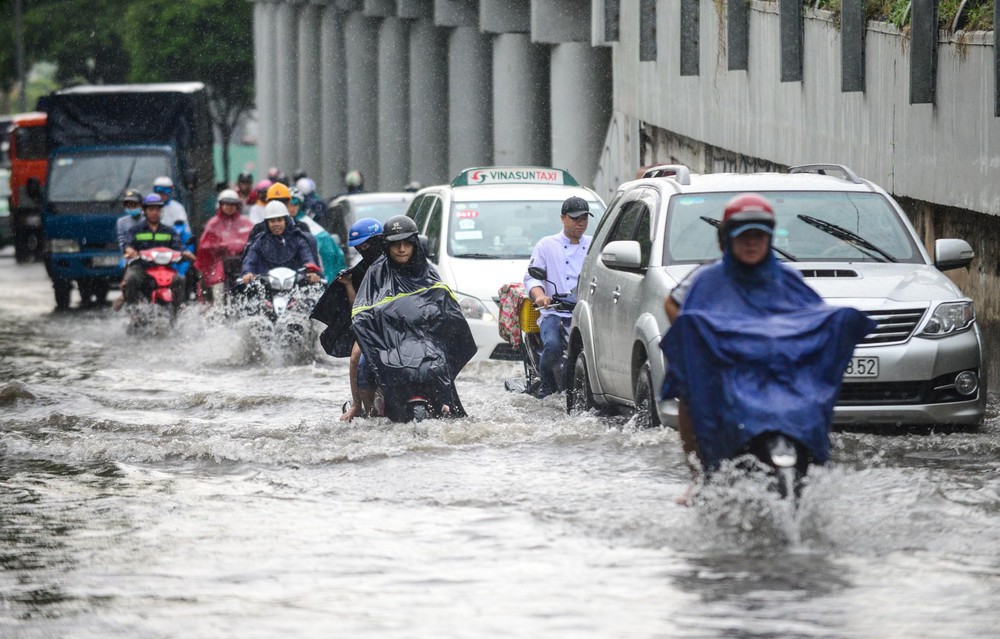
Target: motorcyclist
733	305
132	203
334	310
278	192
174	212
311	201
256	212
244	188
409	326
150	233
222	242
330	254
282	244
561	255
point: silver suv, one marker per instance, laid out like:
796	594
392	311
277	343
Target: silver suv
849	239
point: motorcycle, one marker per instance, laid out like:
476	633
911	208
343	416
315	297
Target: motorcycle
525	335
276	307
784	460
159	264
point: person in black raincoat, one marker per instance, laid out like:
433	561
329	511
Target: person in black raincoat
334	310
410	327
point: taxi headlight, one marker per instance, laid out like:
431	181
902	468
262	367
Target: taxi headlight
948	318
473	308
63	246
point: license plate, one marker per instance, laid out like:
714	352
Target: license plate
862	367
106	261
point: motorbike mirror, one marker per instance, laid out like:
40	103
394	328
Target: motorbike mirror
538	273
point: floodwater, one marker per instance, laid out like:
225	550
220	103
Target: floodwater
174	487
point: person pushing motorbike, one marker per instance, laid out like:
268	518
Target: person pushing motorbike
561	255
754	350
150	233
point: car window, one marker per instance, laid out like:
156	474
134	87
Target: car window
507	229
624	228
610	214
642	235
423	210
800	217
433	232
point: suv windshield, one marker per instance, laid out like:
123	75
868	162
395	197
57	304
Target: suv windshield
504	229
810	228
103	177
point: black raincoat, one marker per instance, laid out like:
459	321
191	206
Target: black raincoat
411	329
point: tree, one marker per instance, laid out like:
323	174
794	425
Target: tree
209	41
76	35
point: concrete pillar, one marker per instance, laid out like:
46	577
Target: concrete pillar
264	68
581	107
360	52
333	106
393	105
286	25
428	103
470	91
308	86
521	132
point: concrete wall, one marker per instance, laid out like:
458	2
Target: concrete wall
947	153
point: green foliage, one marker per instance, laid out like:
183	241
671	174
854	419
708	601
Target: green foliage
76	35
976	16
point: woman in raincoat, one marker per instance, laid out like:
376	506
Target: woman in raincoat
223	240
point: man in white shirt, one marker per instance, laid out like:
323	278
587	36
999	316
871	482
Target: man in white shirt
174	212
561	255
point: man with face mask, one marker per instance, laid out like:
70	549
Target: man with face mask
132	202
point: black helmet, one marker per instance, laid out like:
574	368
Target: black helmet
299	174
245	178
399	228
132	196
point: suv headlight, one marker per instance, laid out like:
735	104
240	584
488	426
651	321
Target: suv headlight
948	318
64	246
473	308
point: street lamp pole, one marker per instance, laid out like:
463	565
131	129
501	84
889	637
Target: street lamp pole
21	76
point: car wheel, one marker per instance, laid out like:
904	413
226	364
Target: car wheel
646	415
579	397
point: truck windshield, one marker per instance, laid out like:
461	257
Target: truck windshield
103	177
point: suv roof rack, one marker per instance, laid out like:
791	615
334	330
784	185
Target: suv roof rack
679	172
822	169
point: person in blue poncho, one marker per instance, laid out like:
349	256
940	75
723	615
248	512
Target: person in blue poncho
753	348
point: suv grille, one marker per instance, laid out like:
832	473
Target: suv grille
893	326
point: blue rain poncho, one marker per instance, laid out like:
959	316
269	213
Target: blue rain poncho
754	350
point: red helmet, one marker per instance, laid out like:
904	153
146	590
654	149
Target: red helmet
748	208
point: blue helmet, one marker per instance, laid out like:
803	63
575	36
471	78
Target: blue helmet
363	230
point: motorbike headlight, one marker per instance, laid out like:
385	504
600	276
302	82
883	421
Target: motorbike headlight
57	245
948	318
473	308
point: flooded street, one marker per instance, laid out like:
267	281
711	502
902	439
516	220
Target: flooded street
174	487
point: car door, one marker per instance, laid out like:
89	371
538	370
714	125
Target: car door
626	303
604	290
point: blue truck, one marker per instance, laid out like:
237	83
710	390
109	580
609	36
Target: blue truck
104	140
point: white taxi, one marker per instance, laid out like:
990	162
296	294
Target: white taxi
481	229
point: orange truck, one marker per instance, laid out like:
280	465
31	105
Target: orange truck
29	159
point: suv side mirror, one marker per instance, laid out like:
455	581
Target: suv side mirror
34	188
622	254
952	254
190	179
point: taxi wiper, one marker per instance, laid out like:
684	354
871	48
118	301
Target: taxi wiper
783	253
850	237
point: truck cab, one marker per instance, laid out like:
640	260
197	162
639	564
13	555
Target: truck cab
103	141
29	157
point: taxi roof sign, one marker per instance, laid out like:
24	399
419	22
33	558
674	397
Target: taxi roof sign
514	175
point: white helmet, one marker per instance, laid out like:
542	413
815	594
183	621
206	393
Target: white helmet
228	196
275	209
305	185
163	181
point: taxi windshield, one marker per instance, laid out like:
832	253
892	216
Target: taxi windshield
504	229
822	226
